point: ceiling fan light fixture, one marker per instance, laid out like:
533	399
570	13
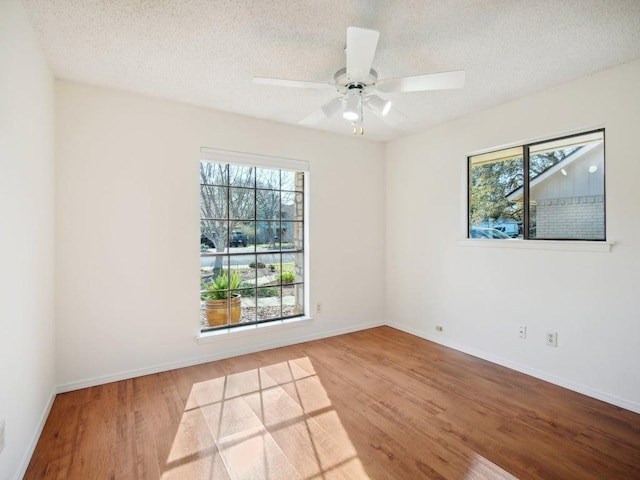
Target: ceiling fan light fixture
380	105
352	108
330	108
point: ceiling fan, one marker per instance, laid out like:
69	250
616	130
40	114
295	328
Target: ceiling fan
357	85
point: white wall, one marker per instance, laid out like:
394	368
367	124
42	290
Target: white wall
481	294
26	237
127	242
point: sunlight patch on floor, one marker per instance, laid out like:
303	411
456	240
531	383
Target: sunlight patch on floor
483	469
273	422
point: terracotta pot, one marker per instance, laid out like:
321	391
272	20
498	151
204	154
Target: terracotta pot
218	311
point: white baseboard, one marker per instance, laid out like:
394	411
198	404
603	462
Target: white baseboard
92	382
36	436
585	390
547	377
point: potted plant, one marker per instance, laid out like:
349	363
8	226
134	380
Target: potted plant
222	302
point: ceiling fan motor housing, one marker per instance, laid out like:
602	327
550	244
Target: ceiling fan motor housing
341	79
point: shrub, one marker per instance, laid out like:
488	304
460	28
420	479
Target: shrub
249	290
268	291
258	265
287	277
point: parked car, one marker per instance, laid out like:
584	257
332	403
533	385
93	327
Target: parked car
206	241
487	233
511	229
238	239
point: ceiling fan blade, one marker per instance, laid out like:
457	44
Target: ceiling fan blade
313	118
361	47
278	82
326	111
394	117
330	108
420	83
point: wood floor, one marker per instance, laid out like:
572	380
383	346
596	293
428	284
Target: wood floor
377	404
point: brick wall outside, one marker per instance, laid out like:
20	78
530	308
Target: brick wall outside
571	218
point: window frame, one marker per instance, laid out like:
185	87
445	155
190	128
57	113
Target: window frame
233	158
526	149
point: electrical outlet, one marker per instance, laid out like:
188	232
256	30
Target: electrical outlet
2	425
522	331
319	307
552	339
438	328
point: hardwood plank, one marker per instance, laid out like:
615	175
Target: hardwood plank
377	404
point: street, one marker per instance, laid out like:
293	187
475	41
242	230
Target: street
265	256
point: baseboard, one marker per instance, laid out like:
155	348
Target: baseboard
36	436
547	377
92	382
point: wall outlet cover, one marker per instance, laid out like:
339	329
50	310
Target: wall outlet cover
522	331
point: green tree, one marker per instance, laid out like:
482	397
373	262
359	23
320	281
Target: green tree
491	184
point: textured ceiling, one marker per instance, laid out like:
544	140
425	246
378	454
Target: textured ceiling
205	52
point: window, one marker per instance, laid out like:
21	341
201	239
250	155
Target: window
550	190
252	224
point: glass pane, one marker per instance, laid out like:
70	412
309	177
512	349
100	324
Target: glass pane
269	302
287	205
268	204
241	176
286	270
213	201
213	174
292	300
268	269
291	236
268	234
268	178
294	262
242	236
248	302
213	234
244	266
292	181
495	194
242	203
292	207
211	266
566	188
214	292
287	180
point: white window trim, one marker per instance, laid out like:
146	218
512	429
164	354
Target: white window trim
224	334
558	245
252	159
